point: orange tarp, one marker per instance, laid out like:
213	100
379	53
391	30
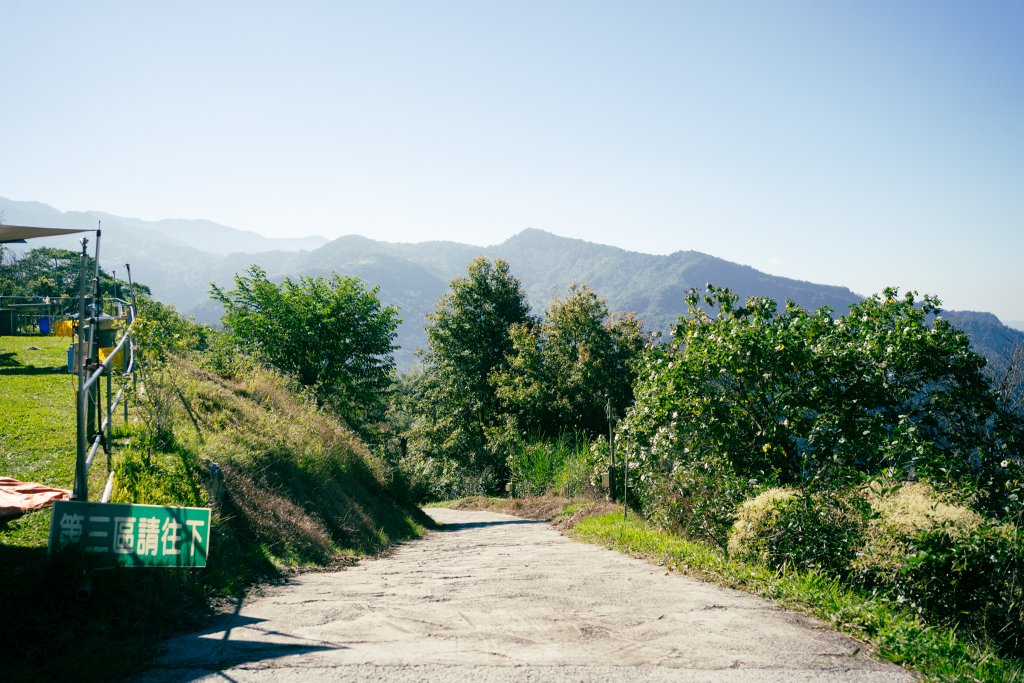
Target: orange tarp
17	497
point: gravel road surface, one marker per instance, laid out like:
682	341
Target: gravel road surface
497	598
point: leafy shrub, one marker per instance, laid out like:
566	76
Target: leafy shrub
161	331
225	357
432	479
815	401
697	498
900	513
754	517
973	579
784	526
947	561
1000	491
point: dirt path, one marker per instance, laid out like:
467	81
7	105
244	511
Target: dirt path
497	598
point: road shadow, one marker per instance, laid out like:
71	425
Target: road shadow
208	652
460	526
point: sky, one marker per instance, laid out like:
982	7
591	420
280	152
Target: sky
860	143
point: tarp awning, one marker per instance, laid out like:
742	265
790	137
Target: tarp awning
20	233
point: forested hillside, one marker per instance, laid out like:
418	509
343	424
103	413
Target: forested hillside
182	258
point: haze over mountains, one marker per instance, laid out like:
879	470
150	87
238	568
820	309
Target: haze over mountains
180	258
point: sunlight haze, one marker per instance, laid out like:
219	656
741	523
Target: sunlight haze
853	143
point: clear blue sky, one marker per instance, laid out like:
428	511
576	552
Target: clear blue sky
856	143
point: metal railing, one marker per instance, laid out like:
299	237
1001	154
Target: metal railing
90	371
89	438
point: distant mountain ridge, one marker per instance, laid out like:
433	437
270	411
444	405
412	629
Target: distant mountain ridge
213	237
179	259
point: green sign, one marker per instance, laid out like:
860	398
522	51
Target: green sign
133	535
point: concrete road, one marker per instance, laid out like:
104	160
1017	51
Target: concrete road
497	598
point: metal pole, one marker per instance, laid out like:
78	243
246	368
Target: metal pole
109	419
625	482
611	435
94	329
135	312
131	285
99	231
81	490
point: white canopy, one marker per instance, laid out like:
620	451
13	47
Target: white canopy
20	233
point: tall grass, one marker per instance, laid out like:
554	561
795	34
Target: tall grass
562	466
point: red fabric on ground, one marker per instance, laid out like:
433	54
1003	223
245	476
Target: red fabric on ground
17	497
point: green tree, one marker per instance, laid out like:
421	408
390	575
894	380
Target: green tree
468	336
333	335
52	272
562	373
7	280
804	398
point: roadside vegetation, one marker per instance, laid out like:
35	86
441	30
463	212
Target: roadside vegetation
285	467
866	464
863	465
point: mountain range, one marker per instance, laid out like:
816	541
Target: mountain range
179	259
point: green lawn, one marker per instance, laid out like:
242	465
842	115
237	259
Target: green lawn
37	425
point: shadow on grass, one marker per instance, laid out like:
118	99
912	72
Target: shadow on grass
32	370
19	559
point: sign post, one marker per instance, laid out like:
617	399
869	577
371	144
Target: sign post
132	535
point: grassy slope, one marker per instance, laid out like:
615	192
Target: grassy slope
300	490
297	480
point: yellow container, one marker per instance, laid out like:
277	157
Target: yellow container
117	362
64	328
